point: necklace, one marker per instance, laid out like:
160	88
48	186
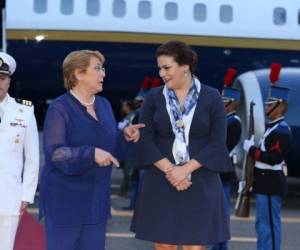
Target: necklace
83	103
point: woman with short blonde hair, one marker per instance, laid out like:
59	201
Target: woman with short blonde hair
79	144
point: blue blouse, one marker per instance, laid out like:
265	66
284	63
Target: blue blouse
74	188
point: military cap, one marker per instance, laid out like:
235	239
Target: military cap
278	94
7	64
231	94
145	86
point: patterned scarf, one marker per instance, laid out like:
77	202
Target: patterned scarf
177	117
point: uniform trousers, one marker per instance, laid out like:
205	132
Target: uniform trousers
227	192
8	229
75	237
267	223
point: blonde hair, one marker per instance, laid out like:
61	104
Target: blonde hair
79	59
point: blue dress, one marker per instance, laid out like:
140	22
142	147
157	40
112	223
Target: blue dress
74	189
198	215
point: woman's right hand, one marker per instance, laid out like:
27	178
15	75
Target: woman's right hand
104	158
183	185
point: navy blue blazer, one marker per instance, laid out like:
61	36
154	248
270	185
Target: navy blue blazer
74	189
207	138
197	215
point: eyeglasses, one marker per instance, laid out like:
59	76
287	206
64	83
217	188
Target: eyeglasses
100	68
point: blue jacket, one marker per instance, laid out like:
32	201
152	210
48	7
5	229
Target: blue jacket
74	189
197	215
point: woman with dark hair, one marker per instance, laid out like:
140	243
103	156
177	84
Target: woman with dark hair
182	151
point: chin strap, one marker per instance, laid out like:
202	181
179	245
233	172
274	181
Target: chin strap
271	110
228	103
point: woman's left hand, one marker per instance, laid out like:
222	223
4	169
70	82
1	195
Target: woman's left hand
184	185
132	132
177	175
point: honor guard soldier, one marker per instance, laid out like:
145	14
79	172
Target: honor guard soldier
269	179
19	155
231	98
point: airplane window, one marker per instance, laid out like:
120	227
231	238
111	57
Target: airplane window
171	11
40	6
299	17
279	16
93	7
226	13
119	8
200	12
144	10
67	7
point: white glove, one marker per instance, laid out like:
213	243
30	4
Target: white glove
242	185
248	143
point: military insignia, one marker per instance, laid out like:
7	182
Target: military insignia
1	62
27	103
13	124
19	122
17	140
179	123
24	102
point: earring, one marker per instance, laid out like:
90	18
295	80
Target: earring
185	73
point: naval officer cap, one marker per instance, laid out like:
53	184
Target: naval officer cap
7	64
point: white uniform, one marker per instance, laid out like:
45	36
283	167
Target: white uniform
19	162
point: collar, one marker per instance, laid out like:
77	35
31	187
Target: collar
194	80
4	102
197	83
231	113
272	123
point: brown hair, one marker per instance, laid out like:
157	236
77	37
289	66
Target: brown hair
79	59
181	52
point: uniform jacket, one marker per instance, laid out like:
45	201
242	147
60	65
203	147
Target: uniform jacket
269	156
18	136
197	215
234	130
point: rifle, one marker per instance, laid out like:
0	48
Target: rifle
242	206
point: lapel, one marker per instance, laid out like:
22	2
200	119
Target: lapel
197	112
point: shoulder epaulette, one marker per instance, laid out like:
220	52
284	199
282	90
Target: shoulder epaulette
237	117
283	123
23	102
